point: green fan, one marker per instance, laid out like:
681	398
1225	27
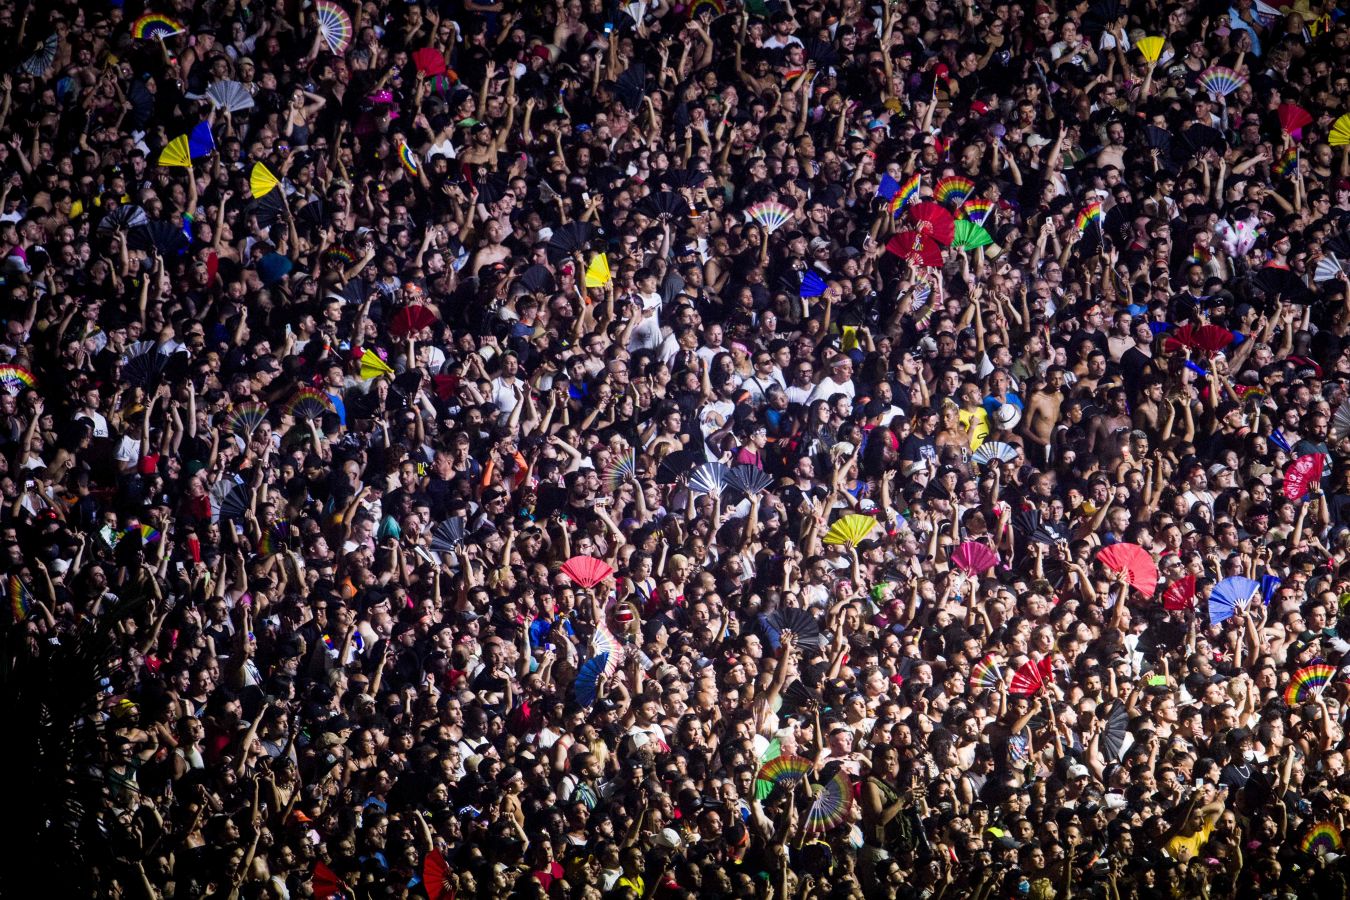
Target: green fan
969	235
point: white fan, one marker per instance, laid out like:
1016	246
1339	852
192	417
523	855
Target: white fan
709	478
994	450
1328	268
1340	422
636	11
230	95
1236	238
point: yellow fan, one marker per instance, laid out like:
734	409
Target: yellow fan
261	181
176	153
597	273
1151	48
1340	132
373	367
848	341
852	529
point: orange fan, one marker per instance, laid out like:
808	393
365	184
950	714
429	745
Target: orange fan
1292	118
587	571
916	247
934	220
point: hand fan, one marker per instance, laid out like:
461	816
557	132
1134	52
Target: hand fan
749	480
769	215
1221	81
987	673
851	529
709	478
1307	683
933	220
1180	594
954	189
994	451
1031	676
1339	135
974	558
1150	48
1141	572
587	571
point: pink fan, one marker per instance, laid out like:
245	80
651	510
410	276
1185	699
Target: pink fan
587	571
974	558
1031	676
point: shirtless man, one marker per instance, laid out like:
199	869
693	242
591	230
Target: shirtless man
1148	411
1113	153
1111	430
494	251
1041	415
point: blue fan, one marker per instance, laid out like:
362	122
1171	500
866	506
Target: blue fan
588	678
1269	585
1279	440
1230	595
1159	327
201	142
887	187
812	284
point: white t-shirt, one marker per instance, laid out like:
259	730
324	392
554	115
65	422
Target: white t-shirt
97	420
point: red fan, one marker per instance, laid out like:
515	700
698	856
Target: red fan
1292	118
934	220
587	571
913	246
974	558
1209	338
1031	676
1180	594
410	319
1139	568
1301	473
445	385
325	882
429	62
435	874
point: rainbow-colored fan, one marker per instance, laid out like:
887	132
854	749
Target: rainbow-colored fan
769	215
1221	81
954	189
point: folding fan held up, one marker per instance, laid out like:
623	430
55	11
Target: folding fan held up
1031	676
436	877
1141	572
812	284
994	451
781	770
176	153
1308	682
953	190
769	215
620	470
1340	422
987	673
1339	135
1329	268
907	194
373	367
933	220
598	274
969	236
408	159
976	210
974	558
830	804
410	320
1209	338
429	61
261	181
153	26
335	26
587	571
709	478
325	884
310	404
230	95
1150	48
1292	119
587	682
1180	594
915	247
1302	474
1321	839
1221	81
749	480
14	378
1229	596
245	419
851	529
201	141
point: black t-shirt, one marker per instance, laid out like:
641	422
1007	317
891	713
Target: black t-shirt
918	449
1134	365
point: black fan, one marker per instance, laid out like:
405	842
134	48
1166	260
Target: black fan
685	178
1195	140
1158	138
663	203
800	622
1115	727
269	209
570	238
1102	15
822	53
631	86
123	218
311	214
162	236
229	501
353	292
448	535
1282	283
798	697
144	369
537	279
676	465
490	189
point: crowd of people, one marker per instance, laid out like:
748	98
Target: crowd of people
741	448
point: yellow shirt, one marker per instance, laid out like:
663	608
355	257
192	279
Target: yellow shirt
1186	847
979	433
